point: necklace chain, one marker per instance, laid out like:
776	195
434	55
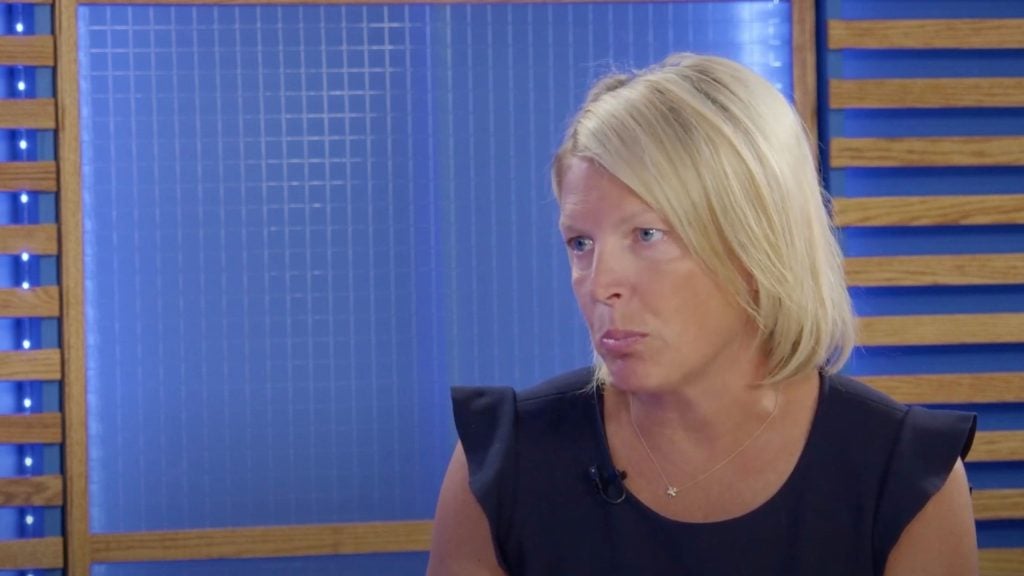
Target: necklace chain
671	490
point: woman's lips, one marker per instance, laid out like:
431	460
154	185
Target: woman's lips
619	342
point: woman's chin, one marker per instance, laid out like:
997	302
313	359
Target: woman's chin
628	374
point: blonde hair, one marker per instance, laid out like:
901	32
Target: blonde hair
725	159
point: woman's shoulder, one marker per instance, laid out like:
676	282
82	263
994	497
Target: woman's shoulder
850	400
499	410
912	449
572	384
846	393
868	417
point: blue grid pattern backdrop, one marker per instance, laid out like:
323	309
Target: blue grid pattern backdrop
303	224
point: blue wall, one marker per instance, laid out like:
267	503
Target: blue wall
303	224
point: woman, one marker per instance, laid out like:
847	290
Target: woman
713	436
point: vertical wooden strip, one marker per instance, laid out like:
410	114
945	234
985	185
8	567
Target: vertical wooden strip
76	508
805	73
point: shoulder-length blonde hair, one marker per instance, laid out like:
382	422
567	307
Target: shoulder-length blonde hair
725	159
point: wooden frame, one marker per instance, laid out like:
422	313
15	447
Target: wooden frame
263	542
805	59
77	560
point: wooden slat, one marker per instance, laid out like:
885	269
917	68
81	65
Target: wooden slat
32	491
78	555
925	152
36	113
31	429
27	553
26	51
805	75
37	176
983	388
998	504
1001	561
930	210
997	447
927	93
17	365
38	239
970	33
958	270
42	302
940	329
262	542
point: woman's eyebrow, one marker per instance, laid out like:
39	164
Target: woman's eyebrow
567	227
567	224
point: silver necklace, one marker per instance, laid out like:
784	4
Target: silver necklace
673	491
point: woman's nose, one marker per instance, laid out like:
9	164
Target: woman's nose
609	275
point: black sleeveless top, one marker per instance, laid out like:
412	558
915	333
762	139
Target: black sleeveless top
540	467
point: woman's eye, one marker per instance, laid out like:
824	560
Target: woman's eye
650	234
579	243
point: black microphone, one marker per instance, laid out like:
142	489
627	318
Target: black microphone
609	483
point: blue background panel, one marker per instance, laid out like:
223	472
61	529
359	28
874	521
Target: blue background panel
303	224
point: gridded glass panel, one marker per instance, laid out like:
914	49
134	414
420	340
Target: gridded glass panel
303	224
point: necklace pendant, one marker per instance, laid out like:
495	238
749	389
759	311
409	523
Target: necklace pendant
672	491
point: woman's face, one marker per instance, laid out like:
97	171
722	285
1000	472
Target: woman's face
656	317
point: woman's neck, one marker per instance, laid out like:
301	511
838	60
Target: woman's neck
723	402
